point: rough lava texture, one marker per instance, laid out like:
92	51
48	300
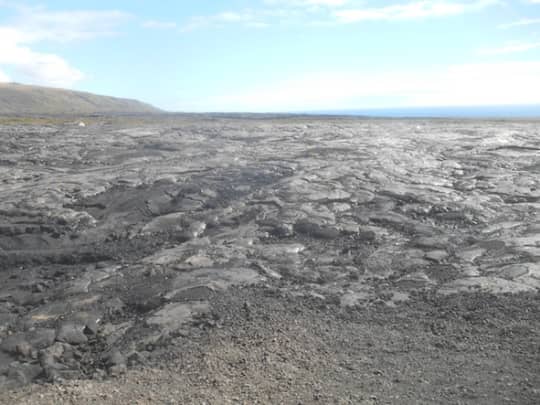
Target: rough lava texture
278	260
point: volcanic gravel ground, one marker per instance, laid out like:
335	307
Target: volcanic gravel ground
282	260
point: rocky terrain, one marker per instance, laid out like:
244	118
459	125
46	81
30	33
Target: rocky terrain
279	260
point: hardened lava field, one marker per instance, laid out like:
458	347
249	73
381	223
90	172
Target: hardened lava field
269	260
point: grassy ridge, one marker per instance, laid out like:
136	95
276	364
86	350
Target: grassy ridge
24	99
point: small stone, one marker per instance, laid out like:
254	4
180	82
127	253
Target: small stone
115	358
24	349
115	306
197	228
6	321
23	373
99	374
199	261
135	358
436	255
91	321
38	288
513	271
58	362
40	338
493	285
175	315
431	242
114	332
71	333
49	357
470	254
315	230
117	370
9	344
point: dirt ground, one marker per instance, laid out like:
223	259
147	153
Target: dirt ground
266	347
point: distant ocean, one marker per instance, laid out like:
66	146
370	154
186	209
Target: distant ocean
513	111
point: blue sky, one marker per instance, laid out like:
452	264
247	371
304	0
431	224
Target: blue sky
276	55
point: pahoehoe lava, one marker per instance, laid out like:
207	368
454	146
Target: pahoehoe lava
361	261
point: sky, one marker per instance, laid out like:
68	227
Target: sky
277	55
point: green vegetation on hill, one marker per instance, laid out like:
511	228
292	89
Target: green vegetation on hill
24	99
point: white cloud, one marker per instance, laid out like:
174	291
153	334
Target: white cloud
328	3
160	25
31	26
272	12
520	23
466	84
332	12
307	3
247	18
411	10
510	47
35	67
63	26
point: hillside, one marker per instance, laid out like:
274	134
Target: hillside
24	99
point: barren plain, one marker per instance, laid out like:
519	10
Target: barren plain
214	259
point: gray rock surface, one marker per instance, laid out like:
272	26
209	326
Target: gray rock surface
71	333
117	235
